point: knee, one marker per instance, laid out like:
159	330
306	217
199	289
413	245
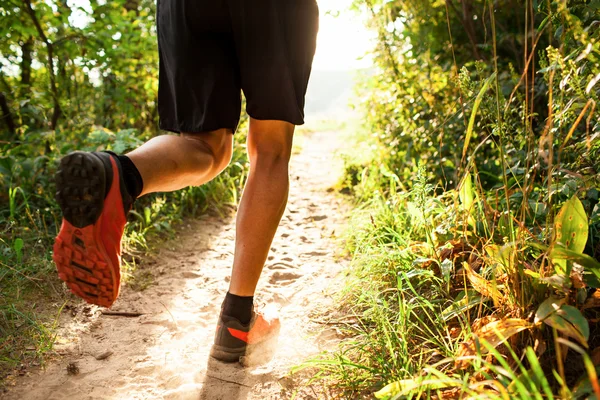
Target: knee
270	154
270	143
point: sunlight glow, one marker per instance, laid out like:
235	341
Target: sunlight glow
343	38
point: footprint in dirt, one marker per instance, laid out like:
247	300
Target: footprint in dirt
283	278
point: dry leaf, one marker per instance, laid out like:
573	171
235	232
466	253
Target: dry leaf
593	301
577	276
494	333
483	286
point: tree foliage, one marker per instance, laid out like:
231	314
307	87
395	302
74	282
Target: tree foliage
66	68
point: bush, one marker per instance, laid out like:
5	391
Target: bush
475	257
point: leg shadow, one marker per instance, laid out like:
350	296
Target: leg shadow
225	381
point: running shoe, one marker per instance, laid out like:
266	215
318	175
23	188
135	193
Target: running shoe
87	251
251	344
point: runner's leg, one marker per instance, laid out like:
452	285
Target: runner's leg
242	334
263	201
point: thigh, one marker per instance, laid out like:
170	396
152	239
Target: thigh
199	85
275	43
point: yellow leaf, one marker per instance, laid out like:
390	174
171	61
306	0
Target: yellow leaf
482	285
405	386
494	333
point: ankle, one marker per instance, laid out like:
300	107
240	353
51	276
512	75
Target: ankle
132	177
238	307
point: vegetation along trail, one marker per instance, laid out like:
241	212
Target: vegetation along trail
164	353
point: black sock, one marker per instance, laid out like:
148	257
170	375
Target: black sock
131	176
238	307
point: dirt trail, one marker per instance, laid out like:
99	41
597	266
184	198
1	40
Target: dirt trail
164	354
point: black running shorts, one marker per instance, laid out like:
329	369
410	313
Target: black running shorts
211	49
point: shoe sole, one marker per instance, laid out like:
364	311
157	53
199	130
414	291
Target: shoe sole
80	258
250	355
227	354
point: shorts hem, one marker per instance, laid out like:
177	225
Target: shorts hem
195	129
262	117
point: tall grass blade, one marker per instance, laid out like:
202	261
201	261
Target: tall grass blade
478	100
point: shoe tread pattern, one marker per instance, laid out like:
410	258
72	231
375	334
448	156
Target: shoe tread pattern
80	188
81	264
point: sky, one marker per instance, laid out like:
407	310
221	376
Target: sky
343	38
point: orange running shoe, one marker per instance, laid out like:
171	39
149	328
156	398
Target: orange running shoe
94	201
250	344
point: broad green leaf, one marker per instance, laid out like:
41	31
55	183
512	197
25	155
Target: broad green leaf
6	165
504	226
570	229
588	263
569	321
548	307
591	265
590	279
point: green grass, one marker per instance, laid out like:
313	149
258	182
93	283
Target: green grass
417	307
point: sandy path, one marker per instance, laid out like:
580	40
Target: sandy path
163	354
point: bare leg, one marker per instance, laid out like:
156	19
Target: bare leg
170	162
263	201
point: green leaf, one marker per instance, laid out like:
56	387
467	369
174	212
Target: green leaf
590	279
147	216
589	263
548	307
465	300
406	386
564	318
480	95
570	229
6	165
538	373
467	198
18	246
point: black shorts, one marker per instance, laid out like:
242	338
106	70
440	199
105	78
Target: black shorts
211	49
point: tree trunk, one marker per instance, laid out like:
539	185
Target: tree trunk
6	115
27	50
50	66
